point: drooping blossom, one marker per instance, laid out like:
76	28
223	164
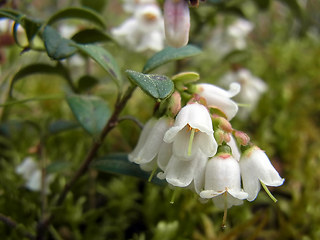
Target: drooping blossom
31	173
222	181
182	173
219	98
191	132
151	146
255	168
177	22
252	88
233	37
143	31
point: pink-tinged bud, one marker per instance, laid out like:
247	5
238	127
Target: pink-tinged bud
222	123
176	22
242	138
175	103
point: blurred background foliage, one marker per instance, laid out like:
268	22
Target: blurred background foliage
283	50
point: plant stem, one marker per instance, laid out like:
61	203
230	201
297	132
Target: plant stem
113	121
11	223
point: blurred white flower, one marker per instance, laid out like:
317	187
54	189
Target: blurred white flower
222	181
177	22
131	5
255	168
219	98
252	88
144	31
150	147
191	132
31	173
226	40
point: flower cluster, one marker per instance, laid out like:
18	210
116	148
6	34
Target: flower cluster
144	30
199	149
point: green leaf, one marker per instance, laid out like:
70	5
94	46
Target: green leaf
57	47
78	12
61	126
9	13
38	68
186	77
31	26
157	86
103	58
97	5
91	112
86	82
119	164
170	54
91	36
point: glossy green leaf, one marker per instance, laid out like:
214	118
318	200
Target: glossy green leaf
103	58
91	36
157	86
97	5
170	54
31	26
61	126
86	82
80	13
120	164
91	112
57	47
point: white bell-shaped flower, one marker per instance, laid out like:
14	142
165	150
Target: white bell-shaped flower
180	173
219	98
177	22
222	181
238	32
255	168
144	31
191	132
31	173
150	141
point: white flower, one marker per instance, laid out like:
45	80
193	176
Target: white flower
191	132
151	143
238	32
144	31
234	148
220	98
177	22
31	173
255	168
232	38
181	173
222	181
130	5
251	88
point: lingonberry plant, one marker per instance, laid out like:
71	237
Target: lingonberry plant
129	91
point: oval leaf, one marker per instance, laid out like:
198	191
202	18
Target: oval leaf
77	12
170	54
61	126
57	47
157	86
119	163
91	36
103	58
91	112
186	77
86	82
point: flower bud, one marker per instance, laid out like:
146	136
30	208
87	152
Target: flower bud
176	22
241	138
175	103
